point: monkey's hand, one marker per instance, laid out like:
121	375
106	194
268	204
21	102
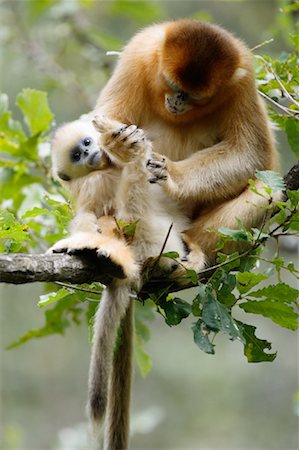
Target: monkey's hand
157	167
123	143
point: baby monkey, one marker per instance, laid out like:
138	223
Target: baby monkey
104	165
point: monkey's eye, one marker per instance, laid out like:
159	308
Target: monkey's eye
76	156
171	84
87	142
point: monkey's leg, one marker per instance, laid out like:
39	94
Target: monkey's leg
116	435
248	207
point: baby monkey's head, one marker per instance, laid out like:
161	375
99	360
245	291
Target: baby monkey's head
76	151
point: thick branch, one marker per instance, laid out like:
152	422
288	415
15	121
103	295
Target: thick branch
22	268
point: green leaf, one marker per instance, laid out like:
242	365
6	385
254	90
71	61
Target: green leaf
294	197
254	348
294	222
192	276
281	292
52	297
34	212
11	129
271	179
231	261
218	317
34	106
175	310
279	313
236	235
143	358
197	306
201	337
142	335
223	283
171	255
57	319
247	280
13	234
292	131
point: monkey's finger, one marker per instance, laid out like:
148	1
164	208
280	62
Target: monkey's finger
157	178
57	250
101	123
125	132
105	125
156	164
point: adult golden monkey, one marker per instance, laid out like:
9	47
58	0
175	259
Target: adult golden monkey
191	87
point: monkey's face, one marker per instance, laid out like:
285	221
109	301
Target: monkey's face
76	152
197	64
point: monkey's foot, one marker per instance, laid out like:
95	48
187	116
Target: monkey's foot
112	255
157	168
120	141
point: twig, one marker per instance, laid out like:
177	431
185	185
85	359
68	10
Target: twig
283	88
76	288
279	106
262	44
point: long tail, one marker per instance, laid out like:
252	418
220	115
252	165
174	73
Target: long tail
116	435
114	304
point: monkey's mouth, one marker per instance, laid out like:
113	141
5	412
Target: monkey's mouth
176	105
94	159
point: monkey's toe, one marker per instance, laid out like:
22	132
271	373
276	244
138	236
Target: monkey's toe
57	250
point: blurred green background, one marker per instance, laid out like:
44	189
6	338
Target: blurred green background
190	400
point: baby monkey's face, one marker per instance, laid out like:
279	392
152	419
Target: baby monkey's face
76	151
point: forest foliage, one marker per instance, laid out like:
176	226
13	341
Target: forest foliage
35	213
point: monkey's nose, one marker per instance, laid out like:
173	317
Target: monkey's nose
181	96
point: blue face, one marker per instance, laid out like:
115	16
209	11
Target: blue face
86	153
81	151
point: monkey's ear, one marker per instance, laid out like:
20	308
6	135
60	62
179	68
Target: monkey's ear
239	73
63	176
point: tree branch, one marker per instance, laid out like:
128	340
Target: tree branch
18	268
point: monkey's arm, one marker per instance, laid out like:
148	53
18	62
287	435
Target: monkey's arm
218	172
127	146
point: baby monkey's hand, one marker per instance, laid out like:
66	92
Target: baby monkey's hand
122	143
157	168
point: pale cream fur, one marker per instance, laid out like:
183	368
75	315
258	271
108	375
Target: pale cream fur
122	188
